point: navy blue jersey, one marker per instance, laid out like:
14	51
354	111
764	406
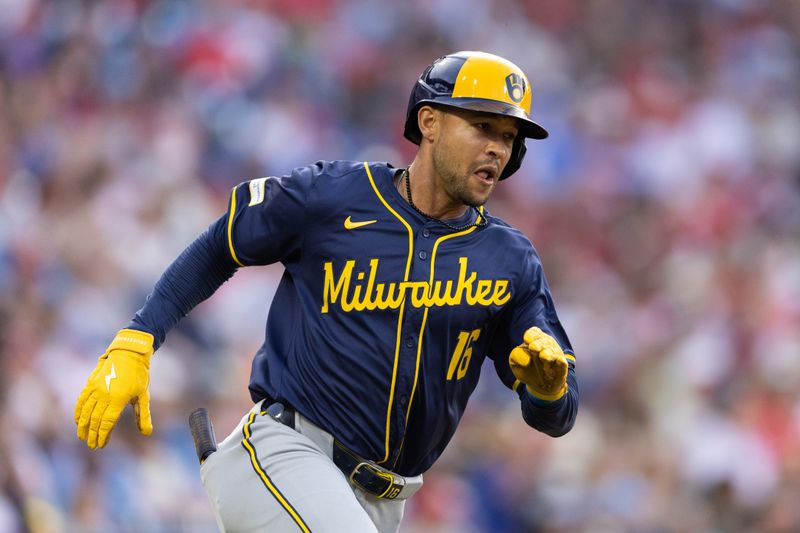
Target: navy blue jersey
383	317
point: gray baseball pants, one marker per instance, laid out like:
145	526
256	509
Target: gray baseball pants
267	477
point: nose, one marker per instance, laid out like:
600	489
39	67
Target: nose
499	148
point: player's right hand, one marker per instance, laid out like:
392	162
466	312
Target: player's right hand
541	365
122	376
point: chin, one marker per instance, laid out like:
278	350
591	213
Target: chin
475	201
478	199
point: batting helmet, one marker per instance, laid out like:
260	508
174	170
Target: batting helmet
479	82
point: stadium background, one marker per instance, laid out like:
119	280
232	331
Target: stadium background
666	207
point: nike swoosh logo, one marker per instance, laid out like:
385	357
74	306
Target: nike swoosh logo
111	375
349	224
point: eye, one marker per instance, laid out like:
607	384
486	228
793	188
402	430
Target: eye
482	126
510	137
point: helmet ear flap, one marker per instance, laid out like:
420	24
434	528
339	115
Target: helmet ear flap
518	152
411	130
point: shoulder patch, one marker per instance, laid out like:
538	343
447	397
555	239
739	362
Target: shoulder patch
257	191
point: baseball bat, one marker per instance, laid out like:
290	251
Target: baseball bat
202	433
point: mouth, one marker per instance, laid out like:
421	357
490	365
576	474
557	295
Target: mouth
487	174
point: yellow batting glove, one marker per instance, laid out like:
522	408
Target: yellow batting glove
541	365
122	376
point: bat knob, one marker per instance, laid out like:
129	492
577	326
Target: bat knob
202	433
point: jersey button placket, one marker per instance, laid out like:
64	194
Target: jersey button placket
422	254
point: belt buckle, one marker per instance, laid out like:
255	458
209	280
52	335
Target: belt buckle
355	472
396	483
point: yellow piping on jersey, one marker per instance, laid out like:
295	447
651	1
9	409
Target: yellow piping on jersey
230	227
425	317
402	309
265	478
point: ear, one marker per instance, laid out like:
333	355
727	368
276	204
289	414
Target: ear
429	121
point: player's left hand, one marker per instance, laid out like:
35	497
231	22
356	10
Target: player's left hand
541	365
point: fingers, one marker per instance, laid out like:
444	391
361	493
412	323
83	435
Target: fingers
551	377
540	342
549	355
99	417
537	340
101	426
79	405
519	357
555	369
87	408
87	389
525	365
107	423
94	423
141	408
532	334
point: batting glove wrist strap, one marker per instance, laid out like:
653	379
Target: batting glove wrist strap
133	340
542	398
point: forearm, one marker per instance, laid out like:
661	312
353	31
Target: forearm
194	276
553	418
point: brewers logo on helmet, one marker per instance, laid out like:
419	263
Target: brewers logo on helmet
479	82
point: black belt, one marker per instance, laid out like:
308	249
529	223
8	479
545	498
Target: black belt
364	474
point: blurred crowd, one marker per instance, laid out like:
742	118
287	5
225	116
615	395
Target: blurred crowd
665	206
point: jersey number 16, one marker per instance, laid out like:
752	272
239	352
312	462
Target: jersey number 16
462	354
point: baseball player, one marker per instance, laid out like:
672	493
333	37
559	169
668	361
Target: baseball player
398	284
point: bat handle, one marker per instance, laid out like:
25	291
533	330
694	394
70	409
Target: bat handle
202	433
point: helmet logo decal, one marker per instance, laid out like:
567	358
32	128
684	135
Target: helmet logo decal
515	86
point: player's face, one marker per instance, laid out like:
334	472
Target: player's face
471	152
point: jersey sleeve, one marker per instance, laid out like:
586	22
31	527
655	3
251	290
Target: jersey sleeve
533	306
266	217
263	224
194	276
